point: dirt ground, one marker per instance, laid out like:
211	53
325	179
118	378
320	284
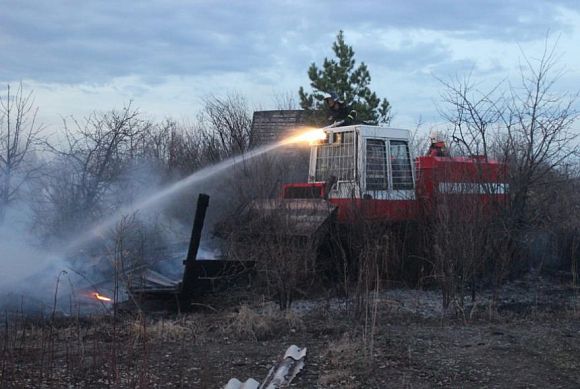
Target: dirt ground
531	338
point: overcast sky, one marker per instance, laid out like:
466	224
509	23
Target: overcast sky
81	56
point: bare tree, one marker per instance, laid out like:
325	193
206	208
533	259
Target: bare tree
175	147
83	171
533	125
227	125
472	113
286	101
538	122
19	134
529	128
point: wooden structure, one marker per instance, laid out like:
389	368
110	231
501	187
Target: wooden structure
272	126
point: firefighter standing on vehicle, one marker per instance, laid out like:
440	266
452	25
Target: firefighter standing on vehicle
338	111
437	147
336	108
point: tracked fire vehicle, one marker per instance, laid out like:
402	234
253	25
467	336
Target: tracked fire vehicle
367	173
357	174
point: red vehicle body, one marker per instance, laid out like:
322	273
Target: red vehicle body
367	171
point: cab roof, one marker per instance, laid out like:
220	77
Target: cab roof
369	131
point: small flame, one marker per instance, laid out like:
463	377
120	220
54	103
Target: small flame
312	136
100	297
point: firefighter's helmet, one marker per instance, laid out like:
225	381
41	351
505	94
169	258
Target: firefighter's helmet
331	97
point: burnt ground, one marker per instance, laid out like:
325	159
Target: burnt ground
531	338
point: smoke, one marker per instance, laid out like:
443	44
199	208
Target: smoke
37	272
43	267
75	232
28	272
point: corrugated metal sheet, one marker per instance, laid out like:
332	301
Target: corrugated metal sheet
145	279
280	375
234	383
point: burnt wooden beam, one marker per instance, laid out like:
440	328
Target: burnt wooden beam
190	274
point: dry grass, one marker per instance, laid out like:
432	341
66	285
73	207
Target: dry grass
336	379
188	328
247	323
410	351
294	321
342	356
342	353
262	324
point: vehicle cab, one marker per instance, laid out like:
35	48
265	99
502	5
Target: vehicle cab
366	162
366	166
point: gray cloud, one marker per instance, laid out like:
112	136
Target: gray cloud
92	42
410	56
513	20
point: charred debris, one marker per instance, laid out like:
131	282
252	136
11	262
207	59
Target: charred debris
155	291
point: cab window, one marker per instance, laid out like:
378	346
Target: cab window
376	165
401	165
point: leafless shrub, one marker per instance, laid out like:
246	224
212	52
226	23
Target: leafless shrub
370	261
286	264
462	239
273	233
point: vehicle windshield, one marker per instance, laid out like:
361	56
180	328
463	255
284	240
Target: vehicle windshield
336	158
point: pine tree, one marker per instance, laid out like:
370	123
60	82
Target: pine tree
351	85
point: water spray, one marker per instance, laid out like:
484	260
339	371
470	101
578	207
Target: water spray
101	227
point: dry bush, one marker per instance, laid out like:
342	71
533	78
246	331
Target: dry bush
285	259
287	266
461	236
293	321
372	257
247	323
